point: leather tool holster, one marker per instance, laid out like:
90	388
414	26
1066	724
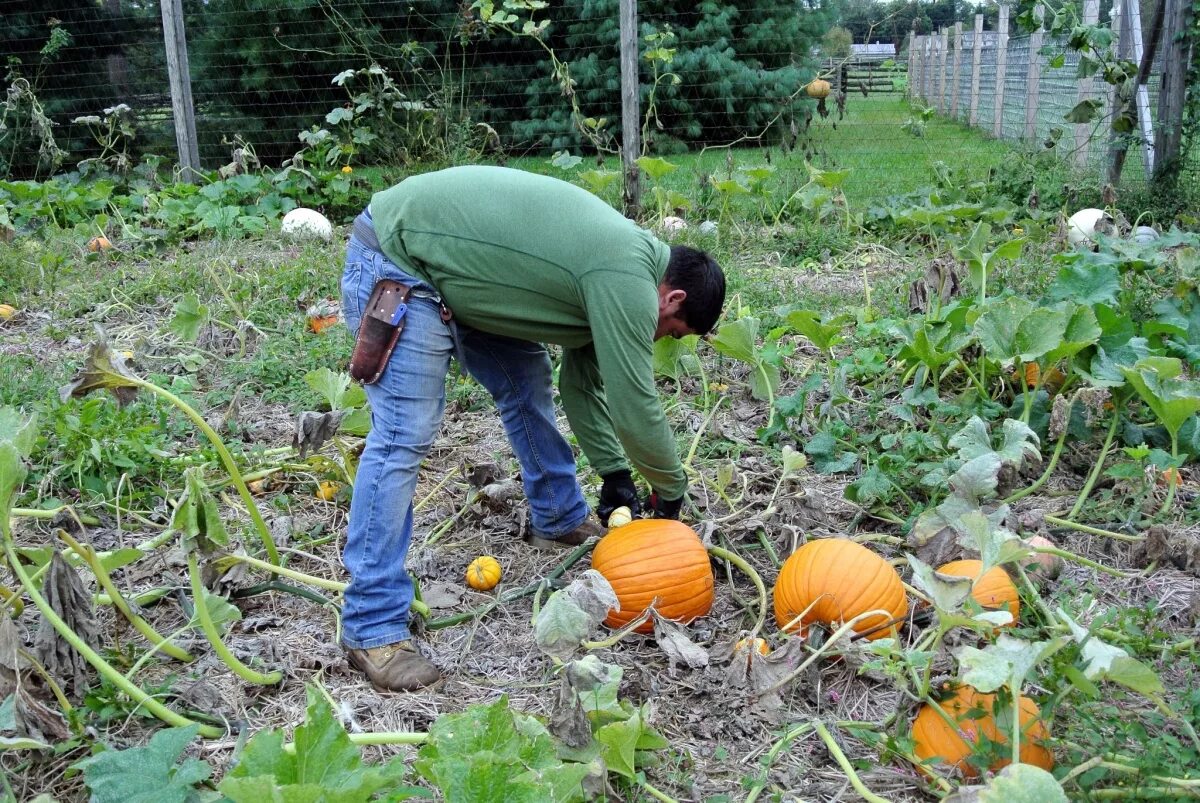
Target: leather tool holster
379	331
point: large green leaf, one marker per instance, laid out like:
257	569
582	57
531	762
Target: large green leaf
489	752
325	763
656	167
1173	400
824	335
336	388
947	592
674	357
18	430
1016	783
12	474
147	774
738	339
1039	332
998	324
190	315
1105	661
1087	283
1082	331
620	742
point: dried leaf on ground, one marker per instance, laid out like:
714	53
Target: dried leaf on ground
439	595
758	675
313	429
675	644
65	593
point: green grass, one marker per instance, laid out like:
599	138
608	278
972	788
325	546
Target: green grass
883	158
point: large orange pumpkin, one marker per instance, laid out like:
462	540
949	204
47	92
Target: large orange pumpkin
845	579
993	591
974	713
655	559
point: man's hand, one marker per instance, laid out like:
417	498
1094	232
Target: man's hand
618	491
661	508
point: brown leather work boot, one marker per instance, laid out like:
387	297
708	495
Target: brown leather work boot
589	529
395	667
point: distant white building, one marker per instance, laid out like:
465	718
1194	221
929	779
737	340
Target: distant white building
886	49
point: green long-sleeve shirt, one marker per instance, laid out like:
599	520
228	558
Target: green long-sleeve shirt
531	257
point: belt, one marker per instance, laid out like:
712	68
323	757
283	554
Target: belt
364	229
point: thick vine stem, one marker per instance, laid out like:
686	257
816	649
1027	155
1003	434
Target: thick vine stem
748	570
141	625
106	669
1100	567
772	754
235	475
1084	528
1096	469
844	763
51	512
214	636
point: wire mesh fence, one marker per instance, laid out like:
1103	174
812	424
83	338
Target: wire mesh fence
385	82
1039	88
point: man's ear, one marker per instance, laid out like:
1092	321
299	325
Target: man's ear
670	300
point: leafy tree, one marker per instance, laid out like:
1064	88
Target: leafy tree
835	44
739	65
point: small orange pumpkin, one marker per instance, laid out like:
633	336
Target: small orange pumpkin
7	312
320	323
655	559
845	579
99	243
327	490
933	736
818	88
483	573
758	645
993	591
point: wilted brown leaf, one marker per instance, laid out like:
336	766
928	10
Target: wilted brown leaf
65	593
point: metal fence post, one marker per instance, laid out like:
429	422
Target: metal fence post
976	57
1033	77
941	97
1001	69
957	69
179	75
630	109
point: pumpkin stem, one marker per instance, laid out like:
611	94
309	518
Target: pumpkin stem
844	763
737	560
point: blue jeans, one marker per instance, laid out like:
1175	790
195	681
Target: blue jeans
407	404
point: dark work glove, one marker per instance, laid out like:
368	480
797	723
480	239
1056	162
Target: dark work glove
618	491
663	508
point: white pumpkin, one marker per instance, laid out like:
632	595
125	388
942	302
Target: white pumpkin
1144	234
1083	225
673	225
306	223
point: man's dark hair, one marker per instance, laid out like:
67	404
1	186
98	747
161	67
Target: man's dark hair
699	275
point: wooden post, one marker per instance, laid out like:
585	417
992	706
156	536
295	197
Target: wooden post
1083	131
976	56
1001	69
957	76
942	46
925	69
1171	95
630	109
1033	77
179	75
